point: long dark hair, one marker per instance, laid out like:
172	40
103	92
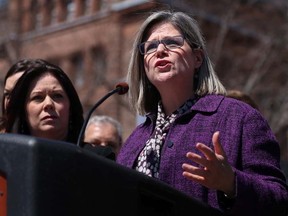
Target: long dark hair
16	111
20	66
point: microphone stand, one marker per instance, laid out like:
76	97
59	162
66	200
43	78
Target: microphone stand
80	137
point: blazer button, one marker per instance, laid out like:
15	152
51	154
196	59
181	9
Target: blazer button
170	143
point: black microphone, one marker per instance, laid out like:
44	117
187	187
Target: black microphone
121	88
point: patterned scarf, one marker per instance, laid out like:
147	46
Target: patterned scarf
149	158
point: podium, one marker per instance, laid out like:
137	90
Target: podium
40	177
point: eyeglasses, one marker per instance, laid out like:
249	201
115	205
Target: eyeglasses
170	43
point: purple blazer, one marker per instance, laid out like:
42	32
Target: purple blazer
248	141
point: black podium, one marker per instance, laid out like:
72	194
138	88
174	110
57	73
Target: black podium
40	177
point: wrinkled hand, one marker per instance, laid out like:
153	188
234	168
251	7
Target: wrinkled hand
214	171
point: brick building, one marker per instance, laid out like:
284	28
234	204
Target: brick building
91	41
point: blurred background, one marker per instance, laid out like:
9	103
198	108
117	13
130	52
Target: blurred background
91	41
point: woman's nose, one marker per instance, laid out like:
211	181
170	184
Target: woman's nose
48	102
161	48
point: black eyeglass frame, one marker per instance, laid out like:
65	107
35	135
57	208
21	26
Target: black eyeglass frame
142	45
164	41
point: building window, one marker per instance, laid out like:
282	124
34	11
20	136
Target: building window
3	3
53	12
78	70
49	15
99	67
87	7
36	8
70	8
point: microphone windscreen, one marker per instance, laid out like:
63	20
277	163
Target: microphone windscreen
123	88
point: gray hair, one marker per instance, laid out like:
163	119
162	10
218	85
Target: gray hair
103	119
143	96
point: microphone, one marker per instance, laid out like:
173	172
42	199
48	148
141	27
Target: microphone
121	88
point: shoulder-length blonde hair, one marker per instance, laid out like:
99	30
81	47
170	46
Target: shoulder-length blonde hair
143	96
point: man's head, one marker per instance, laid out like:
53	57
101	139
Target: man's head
104	131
